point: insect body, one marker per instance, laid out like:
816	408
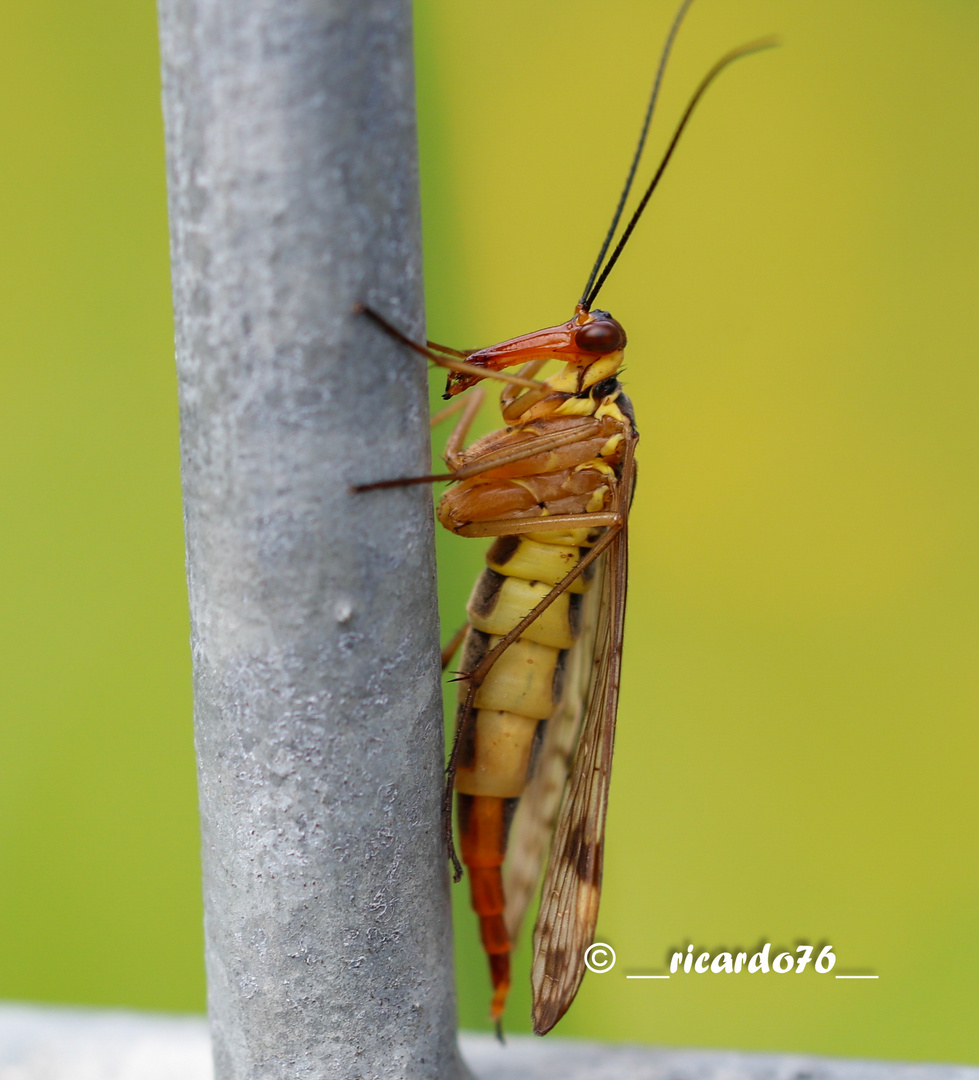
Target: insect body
541	655
557	510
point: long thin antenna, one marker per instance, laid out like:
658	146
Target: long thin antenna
728	58
664	56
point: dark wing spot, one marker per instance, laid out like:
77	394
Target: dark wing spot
584	856
574	613
589	864
576	840
556	962
485	594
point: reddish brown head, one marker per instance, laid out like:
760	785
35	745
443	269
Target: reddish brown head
582	340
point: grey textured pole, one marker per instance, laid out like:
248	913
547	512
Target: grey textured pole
294	194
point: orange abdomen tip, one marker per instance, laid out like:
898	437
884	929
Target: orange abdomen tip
500	974
483	839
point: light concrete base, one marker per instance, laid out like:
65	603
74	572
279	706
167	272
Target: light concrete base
528	1058
40	1042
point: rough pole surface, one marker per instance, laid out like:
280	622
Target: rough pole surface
293	194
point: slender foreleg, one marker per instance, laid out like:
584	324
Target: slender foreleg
494	460
539	444
461	353
452	647
443	361
455	406
457	438
512	393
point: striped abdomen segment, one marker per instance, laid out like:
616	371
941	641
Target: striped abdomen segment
517	695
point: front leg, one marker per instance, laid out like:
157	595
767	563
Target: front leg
615	523
528	449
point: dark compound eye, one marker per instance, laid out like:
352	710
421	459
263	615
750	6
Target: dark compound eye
601	336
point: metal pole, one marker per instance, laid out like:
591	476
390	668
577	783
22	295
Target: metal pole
294	194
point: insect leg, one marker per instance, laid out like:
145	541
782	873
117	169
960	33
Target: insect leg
558	523
461	353
539	445
469	407
453	646
478	674
490	461
450	410
443	361
615	522
511	393
453	446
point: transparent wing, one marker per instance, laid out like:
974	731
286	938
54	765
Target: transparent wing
536	814
569	899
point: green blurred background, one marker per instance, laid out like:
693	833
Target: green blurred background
797	743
